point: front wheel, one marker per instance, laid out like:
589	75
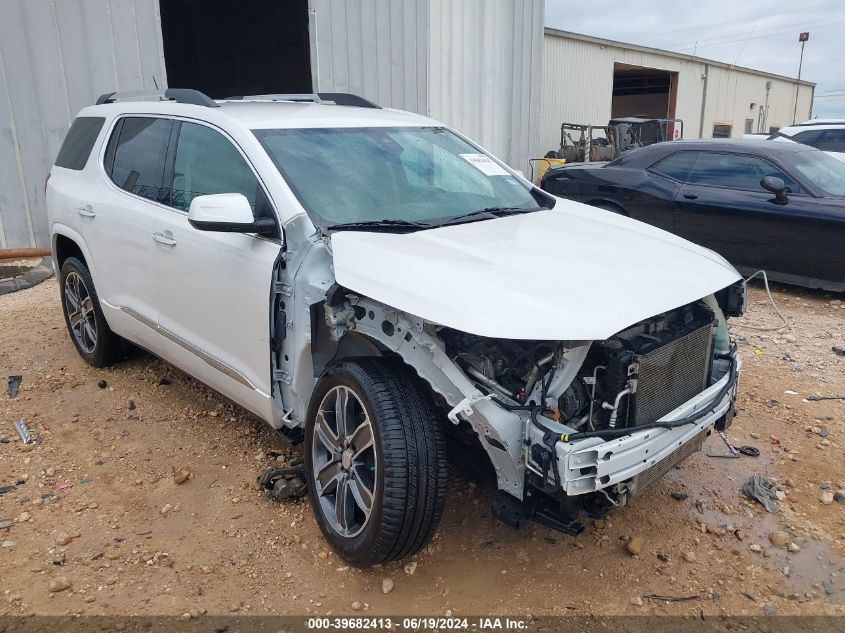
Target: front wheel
375	461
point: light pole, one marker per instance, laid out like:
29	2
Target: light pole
802	37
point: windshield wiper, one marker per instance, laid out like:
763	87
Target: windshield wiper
369	225
488	213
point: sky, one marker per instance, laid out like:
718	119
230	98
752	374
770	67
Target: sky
759	34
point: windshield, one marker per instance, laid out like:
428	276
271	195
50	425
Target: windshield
824	172
423	175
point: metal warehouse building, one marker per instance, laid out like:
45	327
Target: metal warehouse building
589	80
474	65
484	67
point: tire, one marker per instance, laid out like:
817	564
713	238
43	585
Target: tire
405	469
91	335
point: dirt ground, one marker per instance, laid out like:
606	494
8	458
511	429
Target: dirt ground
96	507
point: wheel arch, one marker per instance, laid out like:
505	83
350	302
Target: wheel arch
608	205
68	243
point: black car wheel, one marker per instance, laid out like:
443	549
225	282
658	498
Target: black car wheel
87	326
375	461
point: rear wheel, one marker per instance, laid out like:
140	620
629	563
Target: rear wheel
86	324
375	461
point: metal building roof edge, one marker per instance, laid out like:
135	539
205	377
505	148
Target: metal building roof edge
659	51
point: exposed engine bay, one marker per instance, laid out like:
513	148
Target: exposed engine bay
633	378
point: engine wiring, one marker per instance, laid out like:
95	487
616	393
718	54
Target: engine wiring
786	323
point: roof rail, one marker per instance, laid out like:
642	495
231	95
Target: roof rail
179	95
338	98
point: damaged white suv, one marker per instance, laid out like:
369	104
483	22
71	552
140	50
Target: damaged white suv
368	280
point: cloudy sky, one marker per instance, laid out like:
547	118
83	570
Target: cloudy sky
760	34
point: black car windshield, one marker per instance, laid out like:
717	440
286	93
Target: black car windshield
824	172
406	176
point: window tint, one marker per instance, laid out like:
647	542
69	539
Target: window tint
676	166
737	171
135	156
832	141
810	137
79	140
207	163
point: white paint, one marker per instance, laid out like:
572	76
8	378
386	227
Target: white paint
570	273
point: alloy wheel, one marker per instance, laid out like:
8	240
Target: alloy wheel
343	461
80	312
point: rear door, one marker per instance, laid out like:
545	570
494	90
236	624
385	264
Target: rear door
214	294
118	221
723	206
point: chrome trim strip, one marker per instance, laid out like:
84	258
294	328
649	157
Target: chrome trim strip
217	364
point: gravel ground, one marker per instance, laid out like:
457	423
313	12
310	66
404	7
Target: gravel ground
96	523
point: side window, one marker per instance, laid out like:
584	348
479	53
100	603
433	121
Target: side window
135	156
832	141
809	137
207	163
79	141
737	171
676	166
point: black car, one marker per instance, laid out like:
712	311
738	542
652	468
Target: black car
773	206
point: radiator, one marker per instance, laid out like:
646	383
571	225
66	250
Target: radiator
671	374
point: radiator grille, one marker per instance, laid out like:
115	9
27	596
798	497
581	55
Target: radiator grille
672	374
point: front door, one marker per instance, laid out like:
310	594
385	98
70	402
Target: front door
214	293
723	206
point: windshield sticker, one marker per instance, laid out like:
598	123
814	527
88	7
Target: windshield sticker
485	164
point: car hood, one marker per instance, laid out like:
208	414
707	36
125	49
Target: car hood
569	273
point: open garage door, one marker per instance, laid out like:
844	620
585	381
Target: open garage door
645	92
226	48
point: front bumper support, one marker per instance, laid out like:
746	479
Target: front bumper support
593	464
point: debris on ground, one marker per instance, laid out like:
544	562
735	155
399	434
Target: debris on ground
283	484
817	398
102	384
23	431
14	384
658	598
762	489
839	351
181	476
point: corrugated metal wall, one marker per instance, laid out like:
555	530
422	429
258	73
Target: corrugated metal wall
374	48
578	84
578	88
485	66
57	56
472	64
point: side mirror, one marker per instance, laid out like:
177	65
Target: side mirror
776	186
227	213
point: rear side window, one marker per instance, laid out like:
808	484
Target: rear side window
135	156
207	163
677	166
79	141
832	141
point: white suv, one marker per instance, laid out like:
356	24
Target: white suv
827	135
368	280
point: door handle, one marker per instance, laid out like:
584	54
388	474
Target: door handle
690	196
164	238
86	211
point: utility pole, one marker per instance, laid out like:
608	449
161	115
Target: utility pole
802	37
